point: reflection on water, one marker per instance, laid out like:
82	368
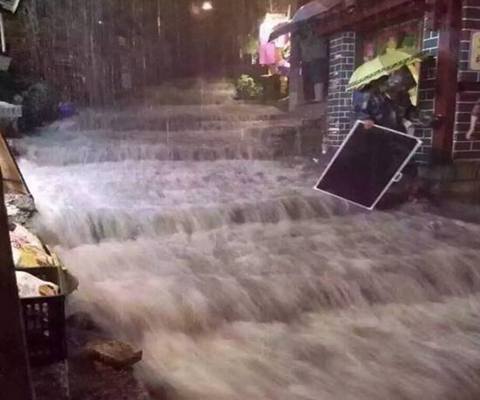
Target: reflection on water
239	282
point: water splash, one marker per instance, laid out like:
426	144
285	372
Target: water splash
239	282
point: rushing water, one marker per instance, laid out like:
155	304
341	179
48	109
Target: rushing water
241	283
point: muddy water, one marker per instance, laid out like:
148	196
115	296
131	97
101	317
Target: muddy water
240	283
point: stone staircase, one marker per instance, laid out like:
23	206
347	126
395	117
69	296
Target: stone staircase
235	277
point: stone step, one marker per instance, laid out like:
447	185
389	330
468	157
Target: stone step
176	117
99	225
458	181
341	261
257	141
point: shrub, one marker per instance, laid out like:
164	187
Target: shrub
248	88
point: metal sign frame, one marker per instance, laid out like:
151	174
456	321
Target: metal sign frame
396	177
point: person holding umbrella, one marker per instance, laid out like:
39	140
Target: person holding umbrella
386	102
384	89
314	51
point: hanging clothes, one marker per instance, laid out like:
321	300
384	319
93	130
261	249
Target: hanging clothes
268	51
267	54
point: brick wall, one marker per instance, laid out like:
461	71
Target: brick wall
426	95
339	101
467	149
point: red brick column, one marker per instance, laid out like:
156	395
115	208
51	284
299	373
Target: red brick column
467	149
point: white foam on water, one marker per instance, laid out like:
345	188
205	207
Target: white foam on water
238	282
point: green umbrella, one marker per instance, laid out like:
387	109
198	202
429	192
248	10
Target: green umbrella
383	65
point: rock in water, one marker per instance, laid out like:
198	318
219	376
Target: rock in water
114	353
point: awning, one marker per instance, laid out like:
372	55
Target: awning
304	14
331	16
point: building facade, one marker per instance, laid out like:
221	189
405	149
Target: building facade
448	31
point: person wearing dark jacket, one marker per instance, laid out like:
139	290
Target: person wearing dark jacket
386	102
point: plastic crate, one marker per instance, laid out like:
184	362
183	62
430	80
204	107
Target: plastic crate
44	320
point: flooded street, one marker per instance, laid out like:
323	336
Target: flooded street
196	236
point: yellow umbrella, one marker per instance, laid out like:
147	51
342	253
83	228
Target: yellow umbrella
383	65
413	92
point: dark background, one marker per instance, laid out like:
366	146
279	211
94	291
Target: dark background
84	47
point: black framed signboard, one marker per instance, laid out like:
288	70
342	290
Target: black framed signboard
367	164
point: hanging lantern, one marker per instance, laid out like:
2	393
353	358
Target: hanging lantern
207	6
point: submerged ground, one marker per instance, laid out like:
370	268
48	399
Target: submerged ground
196	236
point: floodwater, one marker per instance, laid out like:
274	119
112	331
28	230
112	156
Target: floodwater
238	281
